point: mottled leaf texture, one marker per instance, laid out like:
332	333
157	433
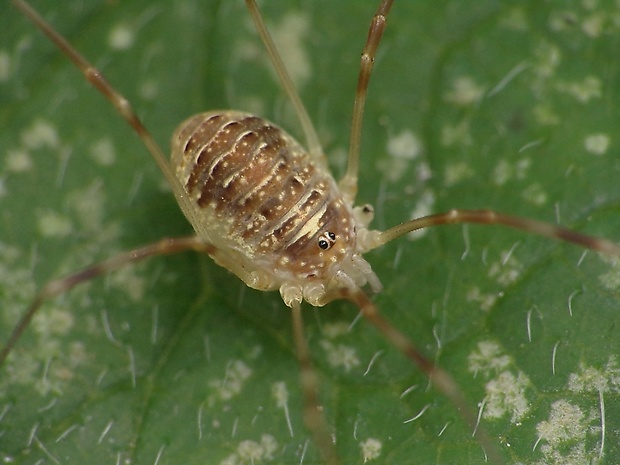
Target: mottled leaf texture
509	105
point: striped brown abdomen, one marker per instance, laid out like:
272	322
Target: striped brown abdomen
260	192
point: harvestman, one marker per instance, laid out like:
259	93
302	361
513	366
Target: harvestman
228	169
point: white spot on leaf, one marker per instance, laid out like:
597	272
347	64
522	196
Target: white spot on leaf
505	170
506	387
340	355
121	37
505	395
485	301
53	224
280	393
583	91
401	148
102	151
465	91
334	330
290	35
507	270
547	58
404	145
596	144
611	279
456	172
39	135
594	25
231	385
458	134
371	449
488	359
590	379
564	435
534	194
250	452
18	161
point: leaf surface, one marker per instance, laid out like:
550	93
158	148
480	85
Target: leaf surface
505	105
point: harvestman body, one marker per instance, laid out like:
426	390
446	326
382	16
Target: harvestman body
270	212
277	219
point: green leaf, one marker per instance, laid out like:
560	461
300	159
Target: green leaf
514	106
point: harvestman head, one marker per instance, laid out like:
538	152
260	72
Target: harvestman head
271	213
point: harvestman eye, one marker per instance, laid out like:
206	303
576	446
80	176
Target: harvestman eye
225	164
327	240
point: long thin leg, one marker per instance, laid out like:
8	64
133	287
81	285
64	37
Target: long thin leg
491	217
122	106
348	184
62	285
439	378
314	417
312	139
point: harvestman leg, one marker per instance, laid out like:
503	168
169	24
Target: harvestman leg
312	139
60	286
539	228
348	186
314	417
122	105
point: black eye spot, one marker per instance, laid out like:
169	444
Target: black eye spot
327	240
367	208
